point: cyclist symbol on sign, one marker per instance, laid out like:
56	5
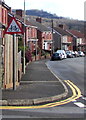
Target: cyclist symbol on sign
13	28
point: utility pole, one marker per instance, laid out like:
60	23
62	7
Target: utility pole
24	40
52	48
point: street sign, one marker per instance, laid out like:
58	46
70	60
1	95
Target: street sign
13	27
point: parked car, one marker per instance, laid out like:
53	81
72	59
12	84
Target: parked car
56	56
81	54
76	54
63	53
73	53
69	54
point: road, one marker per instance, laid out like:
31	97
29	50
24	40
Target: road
67	69
70	69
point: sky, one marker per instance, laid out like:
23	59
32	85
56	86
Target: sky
73	9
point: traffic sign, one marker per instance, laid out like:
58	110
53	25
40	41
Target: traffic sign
13	27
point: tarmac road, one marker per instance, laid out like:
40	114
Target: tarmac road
68	69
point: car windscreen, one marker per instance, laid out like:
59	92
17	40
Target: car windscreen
56	54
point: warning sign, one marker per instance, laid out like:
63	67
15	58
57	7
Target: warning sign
13	27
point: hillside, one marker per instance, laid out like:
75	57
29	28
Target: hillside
42	13
46	19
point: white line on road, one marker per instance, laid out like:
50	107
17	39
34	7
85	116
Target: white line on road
79	104
38	81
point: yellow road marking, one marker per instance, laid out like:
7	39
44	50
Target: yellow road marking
76	94
74	88
79	92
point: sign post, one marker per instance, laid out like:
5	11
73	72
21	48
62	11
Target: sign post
13	29
14	61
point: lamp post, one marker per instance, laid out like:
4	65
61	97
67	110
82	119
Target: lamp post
24	40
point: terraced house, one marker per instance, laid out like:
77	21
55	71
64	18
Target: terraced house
4	9
6	49
79	40
62	39
44	35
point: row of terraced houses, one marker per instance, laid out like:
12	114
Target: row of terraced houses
38	41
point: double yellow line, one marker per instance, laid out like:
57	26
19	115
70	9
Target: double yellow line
76	93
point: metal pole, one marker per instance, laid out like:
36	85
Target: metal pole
52	50
14	62
24	41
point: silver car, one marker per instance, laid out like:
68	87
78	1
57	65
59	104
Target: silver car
63	53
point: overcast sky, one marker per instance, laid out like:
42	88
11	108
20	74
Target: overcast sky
66	8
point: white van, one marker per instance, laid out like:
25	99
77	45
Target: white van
63	53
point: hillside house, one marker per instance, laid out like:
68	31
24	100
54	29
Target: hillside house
44	35
31	37
62	39
79	40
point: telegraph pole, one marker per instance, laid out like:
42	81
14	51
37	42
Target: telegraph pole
52	48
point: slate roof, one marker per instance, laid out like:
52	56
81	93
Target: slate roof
61	31
39	26
31	25
77	33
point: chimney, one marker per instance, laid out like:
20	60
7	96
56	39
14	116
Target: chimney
19	12
39	20
63	26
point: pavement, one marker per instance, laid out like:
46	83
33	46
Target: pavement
38	85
